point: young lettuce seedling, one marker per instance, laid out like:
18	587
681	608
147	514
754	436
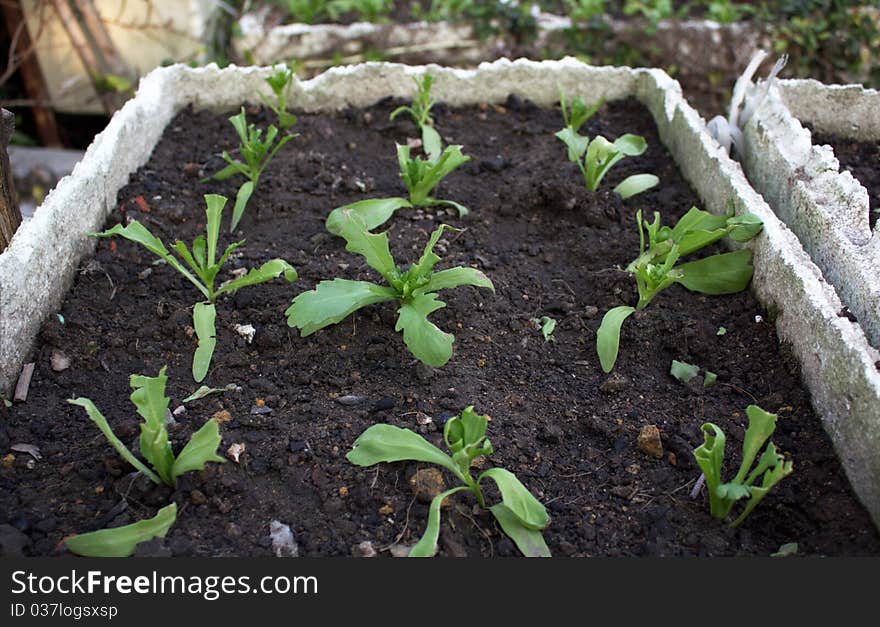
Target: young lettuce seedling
257	153
152	404
710	458
520	515
203	261
596	157
420	112
280	81
657	267
414	289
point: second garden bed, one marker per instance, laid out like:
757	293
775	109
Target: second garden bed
565	428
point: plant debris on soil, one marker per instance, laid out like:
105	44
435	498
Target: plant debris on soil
296	405
862	159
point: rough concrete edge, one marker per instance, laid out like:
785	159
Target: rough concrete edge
826	208
820	105
836	360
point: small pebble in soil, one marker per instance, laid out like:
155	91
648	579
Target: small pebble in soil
364	549
649	441
350	400
59	361
614	384
283	541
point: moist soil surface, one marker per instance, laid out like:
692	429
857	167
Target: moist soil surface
862	159
565	428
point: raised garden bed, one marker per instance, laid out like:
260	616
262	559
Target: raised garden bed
568	430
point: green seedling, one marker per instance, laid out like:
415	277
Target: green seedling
152	404
280	82
368	10
546	325
686	372
657	266
414	289
519	514
205	266
122	541
257	152
788	549
596	157
770	469
420	112
306	11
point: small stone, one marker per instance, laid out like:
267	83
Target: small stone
59	361
247	331
364	549
590	311
343	491
386	510
222	416
12	542
649	441
283	542
614	384
349	400
427	483
399	550
198	497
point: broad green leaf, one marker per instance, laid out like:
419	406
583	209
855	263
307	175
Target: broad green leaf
427	545
433	173
270	270
744	227
332	301
530	542
682	371
786	550
732	491
387	443
547	326
517	498
462	210
771	478
608	335
725	273
201	448
122	541
697	220
230	170
454	277
635	184
152	404
373	247
373	213
710	457
214	204
425	341
239	123
431	143
204	391
241	200
204	315
104	426
769	459
631	145
574	143
466	429
184	253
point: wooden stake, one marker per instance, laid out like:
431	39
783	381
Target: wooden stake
10	214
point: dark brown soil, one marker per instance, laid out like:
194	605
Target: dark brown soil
566	429
862	159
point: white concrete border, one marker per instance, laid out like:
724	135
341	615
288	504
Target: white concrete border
826	208
838	364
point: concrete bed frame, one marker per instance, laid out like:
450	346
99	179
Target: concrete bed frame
837	362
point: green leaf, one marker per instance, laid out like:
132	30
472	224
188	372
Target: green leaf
241	200
517	498
201	448
373	247
710	457
462	210
709	379
204	391
425	341
204	315
427	545
373	213
546	325
454	277
468	429
635	184
530	542
387	443
270	270
104	426
682	371
429	258
214	212
230	170
631	145
725	273
608	335
771	478
431	143
762	424
432	173
122	541
332	301
786	550
575	144
745	227
152	404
